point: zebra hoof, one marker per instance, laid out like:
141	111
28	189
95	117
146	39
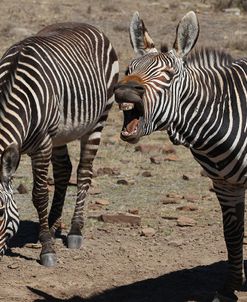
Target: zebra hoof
48	259
220	298
74	241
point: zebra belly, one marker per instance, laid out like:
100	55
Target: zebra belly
70	132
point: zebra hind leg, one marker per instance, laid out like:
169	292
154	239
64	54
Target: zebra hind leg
62	168
89	148
231	200
40	163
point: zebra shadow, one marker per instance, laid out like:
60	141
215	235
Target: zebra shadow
28	232
197	284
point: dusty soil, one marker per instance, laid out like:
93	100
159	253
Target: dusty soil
117	261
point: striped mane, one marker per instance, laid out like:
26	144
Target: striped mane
209	57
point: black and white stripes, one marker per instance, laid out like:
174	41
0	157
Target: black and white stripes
201	100
55	87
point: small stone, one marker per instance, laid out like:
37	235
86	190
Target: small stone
189	207
121	218
191	197
168	149
13	266
174	195
133	211
184	221
148	232
147	148
123	182
169	201
107	171
170	217
22	189
94	191
175	243
171	157
147	174
102	202
33	245
185	177
156	160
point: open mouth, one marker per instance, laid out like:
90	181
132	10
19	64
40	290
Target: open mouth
133	113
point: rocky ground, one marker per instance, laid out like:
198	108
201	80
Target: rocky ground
167	243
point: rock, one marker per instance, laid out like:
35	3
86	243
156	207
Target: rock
107	171
121	218
147	148
191	197
148	232
171	157
94	191
169	201
174	195
33	245
13	266
189	207
185	177
170	217
147	174
175	243
123	182
168	149
102	202
22	189
184	221
156	160
133	211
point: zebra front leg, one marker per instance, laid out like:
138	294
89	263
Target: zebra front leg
231	200
62	168
40	163
89	148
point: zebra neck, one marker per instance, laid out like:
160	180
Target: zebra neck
201	104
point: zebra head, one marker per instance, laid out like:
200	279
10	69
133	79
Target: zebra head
150	91
9	218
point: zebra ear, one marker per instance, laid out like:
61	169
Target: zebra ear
187	34
9	162
140	39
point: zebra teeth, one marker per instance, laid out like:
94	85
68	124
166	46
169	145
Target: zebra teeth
126	106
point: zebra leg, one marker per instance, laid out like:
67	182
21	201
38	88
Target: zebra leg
62	168
231	200
40	163
89	148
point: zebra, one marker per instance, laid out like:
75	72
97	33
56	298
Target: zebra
200	99
55	87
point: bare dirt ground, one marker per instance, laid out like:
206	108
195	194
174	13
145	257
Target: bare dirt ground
117	261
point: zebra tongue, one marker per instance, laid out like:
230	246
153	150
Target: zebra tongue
132	126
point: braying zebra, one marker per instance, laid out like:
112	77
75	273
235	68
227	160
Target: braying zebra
201	100
55	87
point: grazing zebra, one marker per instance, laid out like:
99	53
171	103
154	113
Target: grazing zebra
55	87
201	100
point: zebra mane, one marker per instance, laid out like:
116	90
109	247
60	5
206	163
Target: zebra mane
206	57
